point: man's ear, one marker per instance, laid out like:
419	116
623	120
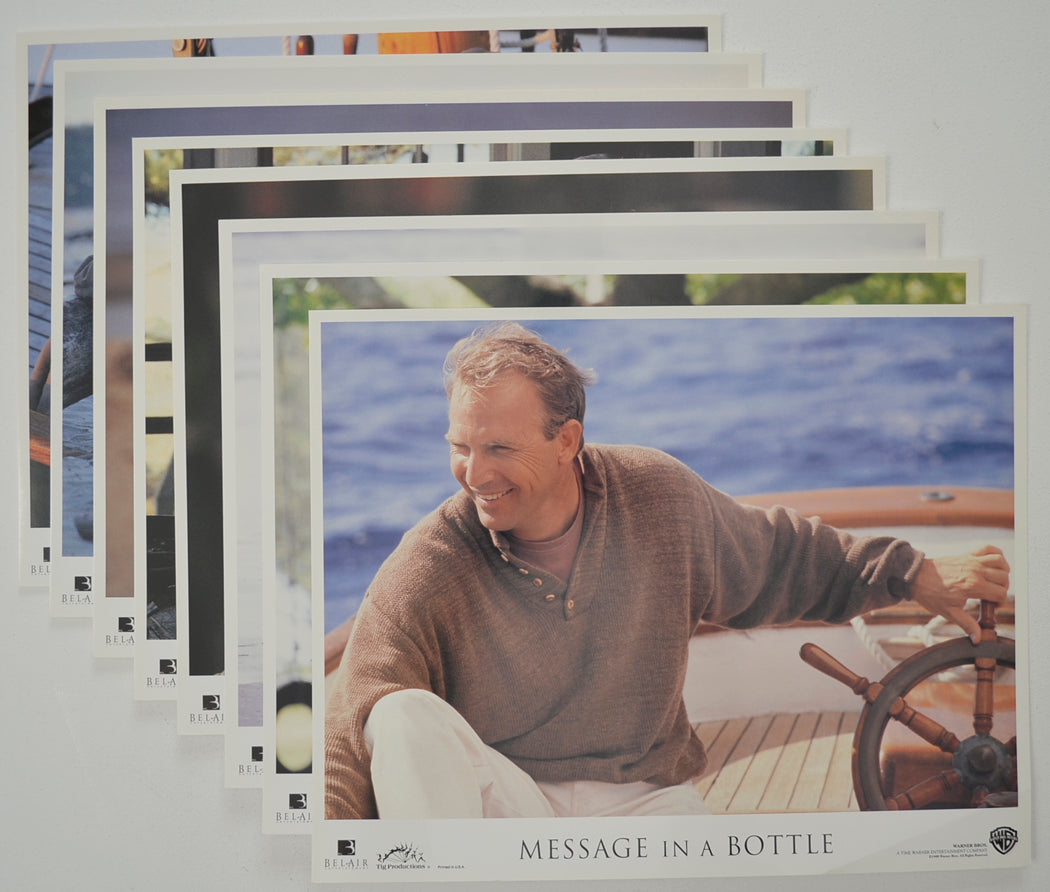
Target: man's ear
570	438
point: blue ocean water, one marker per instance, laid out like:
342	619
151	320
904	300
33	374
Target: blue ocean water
752	404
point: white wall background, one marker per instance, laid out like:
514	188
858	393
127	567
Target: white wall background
98	792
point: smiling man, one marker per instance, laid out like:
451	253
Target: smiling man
513	456
522	652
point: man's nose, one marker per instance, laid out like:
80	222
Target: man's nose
477	470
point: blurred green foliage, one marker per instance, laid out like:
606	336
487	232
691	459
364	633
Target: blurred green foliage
878	288
702	288
294	298
158	164
899	288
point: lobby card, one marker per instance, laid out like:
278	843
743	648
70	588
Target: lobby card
153	158
732	242
747	108
541	187
338	41
77	82
760	400
285	535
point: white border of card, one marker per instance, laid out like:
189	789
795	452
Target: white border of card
446	78
250	48
778	243
286	619
685	846
651	177
151	252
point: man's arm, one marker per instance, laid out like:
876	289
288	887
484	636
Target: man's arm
379	658
943	585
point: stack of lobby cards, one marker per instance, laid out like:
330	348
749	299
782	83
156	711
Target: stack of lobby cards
247	258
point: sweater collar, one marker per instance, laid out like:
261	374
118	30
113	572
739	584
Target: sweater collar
543	588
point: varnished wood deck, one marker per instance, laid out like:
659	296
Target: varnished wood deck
779	763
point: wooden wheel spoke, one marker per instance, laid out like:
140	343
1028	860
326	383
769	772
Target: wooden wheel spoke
984	695
944	787
923	726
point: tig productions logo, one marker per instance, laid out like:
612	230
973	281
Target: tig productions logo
402	857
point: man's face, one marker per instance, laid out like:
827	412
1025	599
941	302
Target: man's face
519	481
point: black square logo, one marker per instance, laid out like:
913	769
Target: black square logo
346	847
166	667
297	801
210	702
125	624
81	583
257	753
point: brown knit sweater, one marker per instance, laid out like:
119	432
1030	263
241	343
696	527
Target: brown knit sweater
585	681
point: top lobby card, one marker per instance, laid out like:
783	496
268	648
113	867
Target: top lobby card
559	679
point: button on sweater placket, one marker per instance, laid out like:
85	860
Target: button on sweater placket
539	584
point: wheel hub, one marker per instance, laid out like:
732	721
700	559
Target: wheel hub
982	761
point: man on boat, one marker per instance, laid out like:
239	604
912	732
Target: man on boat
522	653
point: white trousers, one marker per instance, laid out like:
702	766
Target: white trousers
427	762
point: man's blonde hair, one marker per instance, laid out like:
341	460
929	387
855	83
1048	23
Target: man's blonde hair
480	359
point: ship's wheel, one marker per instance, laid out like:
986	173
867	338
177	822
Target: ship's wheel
939	731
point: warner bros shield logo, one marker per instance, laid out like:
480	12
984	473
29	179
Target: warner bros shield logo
1003	839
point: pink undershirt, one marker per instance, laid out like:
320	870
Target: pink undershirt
557	555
